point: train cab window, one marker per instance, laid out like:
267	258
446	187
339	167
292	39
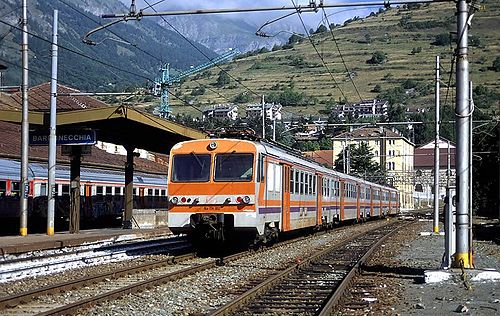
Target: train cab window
233	167
65	189
109	190
99	190
15	188
191	168
3	188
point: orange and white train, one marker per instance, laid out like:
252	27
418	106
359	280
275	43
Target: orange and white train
219	187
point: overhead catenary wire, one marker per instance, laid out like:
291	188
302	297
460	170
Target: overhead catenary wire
203	53
318	53
132	44
341	56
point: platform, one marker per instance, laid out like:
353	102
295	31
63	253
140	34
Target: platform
34	242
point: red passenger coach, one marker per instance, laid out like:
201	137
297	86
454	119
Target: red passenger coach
221	187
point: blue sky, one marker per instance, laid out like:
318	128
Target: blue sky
337	15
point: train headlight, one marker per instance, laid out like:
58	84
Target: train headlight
246	199
212	145
174	200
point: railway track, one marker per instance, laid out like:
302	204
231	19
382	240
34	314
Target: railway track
51	262
313	286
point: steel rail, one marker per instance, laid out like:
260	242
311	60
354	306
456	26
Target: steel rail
339	293
25	297
270	282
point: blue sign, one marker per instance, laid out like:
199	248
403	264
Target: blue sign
66	138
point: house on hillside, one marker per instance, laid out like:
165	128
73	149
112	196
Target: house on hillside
423	162
221	111
364	109
272	110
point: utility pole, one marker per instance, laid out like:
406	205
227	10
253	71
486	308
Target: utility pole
463	255
52	133
436	154
23	229
263	118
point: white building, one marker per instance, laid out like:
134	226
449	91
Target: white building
367	108
221	111
273	111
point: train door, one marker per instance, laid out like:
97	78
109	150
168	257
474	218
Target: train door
381	210
285	200
319	199
358	201
342	199
390	202
371	201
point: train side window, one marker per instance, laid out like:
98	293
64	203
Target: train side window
270	177
3	188
43	189
314	184
297	182
292	180
157	192
150	192
302	184
109	190
65	189
99	190
15	188
306	184
163	192
260	169
277	178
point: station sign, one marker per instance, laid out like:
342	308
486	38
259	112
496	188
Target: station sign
83	137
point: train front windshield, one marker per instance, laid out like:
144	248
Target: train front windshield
191	168
233	167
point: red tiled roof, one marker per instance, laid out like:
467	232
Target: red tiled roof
39	99
322	157
369	132
424	158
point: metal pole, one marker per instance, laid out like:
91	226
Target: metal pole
52	133
274	128
436	154
23	229
448	167
471	107
462	112
263	119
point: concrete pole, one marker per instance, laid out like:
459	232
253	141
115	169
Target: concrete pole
263	119
274	128
448	167
462	112
74	202
52	133
471	107
23	220
436	154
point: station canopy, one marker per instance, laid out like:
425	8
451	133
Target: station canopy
121	125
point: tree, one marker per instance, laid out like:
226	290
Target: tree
321	29
496	64
442	39
377	88
378	57
223	79
361	163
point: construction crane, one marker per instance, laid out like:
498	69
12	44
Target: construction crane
163	83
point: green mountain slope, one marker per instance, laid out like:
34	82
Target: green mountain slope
407	37
156	44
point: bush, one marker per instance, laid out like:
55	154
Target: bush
496	64
416	50
377	88
223	79
378	57
442	39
